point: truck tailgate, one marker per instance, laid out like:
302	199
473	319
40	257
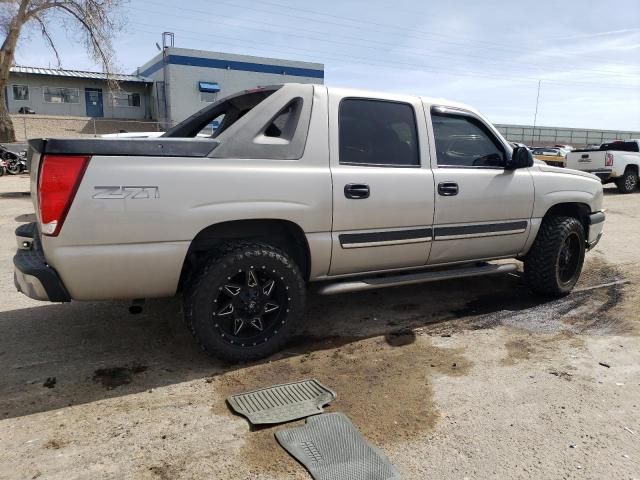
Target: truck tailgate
586	161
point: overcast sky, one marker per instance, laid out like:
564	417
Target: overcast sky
489	54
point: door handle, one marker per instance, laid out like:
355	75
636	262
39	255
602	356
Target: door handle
356	190
448	189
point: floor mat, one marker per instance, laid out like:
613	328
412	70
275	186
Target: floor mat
331	448
282	403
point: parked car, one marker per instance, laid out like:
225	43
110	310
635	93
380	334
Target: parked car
301	185
615	162
550	155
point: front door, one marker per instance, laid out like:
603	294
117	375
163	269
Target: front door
382	188
93	100
482	210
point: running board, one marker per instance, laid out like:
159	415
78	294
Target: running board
412	278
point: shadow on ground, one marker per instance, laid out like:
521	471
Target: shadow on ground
53	356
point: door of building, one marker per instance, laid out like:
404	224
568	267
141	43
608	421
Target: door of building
93	100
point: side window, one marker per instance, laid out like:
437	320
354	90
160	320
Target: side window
378	133
462	141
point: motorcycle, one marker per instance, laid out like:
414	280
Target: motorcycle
15	163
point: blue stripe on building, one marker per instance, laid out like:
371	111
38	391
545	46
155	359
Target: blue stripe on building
234	65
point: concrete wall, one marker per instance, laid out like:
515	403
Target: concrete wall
232	73
38	126
36	84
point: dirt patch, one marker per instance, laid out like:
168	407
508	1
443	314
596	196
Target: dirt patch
400	338
385	391
114	377
517	350
55	444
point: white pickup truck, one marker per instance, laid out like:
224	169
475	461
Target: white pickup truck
300	185
614	162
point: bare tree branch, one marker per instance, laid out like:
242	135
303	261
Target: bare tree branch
45	34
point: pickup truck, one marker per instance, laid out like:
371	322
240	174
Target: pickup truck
615	162
300	186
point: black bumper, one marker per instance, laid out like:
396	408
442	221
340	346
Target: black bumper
603	175
32	275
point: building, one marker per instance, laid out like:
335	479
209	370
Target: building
49	91
168	88
185	80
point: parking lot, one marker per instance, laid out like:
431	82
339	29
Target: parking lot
474	378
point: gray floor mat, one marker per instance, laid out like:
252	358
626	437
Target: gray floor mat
331	448
282	403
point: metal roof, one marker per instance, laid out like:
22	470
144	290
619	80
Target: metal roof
58	72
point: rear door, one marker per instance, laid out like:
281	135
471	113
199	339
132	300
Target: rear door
482	210
383	193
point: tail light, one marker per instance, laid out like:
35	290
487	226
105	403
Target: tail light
59	179
608	160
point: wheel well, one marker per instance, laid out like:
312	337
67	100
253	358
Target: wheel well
633	168
580	211
281	234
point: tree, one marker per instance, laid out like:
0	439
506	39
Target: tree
95	22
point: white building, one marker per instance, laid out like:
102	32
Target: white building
185	80
171	86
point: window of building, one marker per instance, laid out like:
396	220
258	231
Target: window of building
378	133
21	93
208	97
463	141
126	99
61	95
208	91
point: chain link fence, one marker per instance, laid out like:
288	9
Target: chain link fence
576	137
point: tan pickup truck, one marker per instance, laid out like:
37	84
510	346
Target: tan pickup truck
300	185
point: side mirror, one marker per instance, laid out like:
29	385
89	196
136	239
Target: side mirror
520	158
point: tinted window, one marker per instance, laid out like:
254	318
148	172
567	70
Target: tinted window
464	141
620	146
374	132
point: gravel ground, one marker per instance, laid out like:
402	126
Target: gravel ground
471	379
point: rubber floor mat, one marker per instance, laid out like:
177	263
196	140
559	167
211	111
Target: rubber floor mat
331	448
282	403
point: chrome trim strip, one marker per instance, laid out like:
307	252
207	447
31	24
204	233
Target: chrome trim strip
387	242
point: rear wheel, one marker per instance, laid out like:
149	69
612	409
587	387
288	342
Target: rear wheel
554	263
245	302
628	182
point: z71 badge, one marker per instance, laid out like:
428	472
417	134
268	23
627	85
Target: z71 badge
130	191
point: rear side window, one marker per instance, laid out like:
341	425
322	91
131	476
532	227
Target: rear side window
378	133
463	141
620	146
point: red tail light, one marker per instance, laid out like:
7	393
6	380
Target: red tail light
608	160
59	179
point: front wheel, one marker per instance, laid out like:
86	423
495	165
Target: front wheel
628	182
554	263
245	302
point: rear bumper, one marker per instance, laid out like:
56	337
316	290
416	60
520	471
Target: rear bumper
32	275
603	174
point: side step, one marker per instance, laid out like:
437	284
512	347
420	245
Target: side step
411	278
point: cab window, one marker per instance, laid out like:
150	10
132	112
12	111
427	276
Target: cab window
378	133
463	141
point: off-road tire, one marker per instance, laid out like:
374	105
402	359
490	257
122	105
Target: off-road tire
203	288
542	265
628	182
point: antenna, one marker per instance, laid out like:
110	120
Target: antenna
158	47
167	39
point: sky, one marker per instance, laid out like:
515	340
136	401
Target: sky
490	54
